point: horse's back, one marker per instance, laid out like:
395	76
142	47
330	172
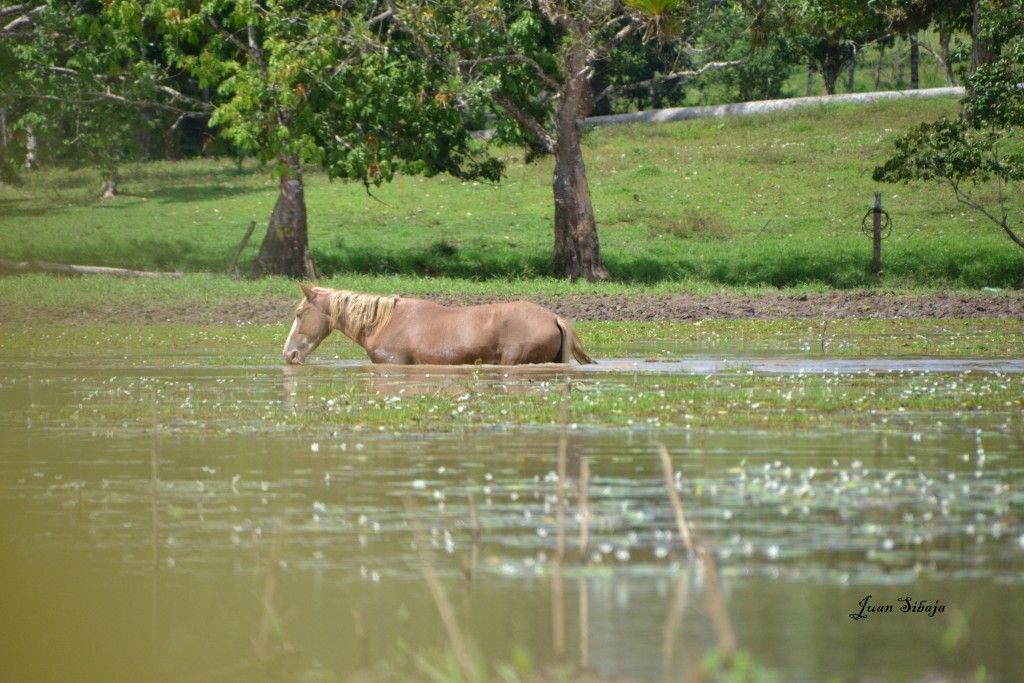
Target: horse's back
505	333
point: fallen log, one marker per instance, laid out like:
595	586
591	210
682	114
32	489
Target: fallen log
67	269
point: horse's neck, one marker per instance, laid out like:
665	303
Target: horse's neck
358	331
342	324
337	317
346	329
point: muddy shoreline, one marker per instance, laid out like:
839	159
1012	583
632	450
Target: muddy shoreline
638	307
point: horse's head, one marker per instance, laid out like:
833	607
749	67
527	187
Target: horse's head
312	325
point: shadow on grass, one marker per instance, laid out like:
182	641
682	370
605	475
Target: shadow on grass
837	269
24	208
33	208
440	258
147	254
201	193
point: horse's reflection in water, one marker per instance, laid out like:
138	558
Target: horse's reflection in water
452	380
432	380
290	384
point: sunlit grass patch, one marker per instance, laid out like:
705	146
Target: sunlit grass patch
764	201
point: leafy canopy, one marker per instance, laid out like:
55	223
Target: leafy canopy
986	143
313	80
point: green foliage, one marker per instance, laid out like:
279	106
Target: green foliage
631	62
826	33
85	86
661	18
312	81
741	667
981	152
996	94
769	58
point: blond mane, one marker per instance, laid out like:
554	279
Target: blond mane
358	314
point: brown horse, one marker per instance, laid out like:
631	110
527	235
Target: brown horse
412	331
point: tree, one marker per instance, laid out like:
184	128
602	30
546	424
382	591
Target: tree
827	34
767	58
985	145
15	28
86	85
309	82
536	63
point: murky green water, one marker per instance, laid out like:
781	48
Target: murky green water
167	516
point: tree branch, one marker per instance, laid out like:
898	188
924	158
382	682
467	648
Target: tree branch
381	18
966	199
21	21
201	106
4	11
396	17
613	90
254	48
96	97
503	59
526	121
623	33
558	13
227	35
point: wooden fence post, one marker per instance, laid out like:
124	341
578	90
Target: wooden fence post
876	235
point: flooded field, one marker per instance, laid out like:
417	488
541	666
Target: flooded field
195	513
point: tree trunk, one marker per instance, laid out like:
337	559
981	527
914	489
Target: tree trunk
980	49
900	66
851	69
31	161
879	65
947	61
833	59
6	172
830	77
109	189
577	251
285	248
915	61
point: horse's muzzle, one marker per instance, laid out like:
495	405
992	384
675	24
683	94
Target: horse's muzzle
293	356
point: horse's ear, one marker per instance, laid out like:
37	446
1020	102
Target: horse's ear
308	291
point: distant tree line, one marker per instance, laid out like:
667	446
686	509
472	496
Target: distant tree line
366	89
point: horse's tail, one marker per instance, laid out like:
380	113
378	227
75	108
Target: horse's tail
571	346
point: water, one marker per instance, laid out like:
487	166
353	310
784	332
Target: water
167	517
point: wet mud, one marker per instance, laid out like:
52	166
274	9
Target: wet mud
836	305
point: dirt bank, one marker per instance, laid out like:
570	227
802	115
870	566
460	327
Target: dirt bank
832	306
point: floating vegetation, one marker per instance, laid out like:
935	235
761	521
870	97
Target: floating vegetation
366	398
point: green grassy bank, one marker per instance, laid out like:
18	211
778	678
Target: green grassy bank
765	201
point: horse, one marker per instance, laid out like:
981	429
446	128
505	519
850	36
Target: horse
404	331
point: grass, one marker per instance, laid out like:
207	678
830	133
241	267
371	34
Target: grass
742	203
